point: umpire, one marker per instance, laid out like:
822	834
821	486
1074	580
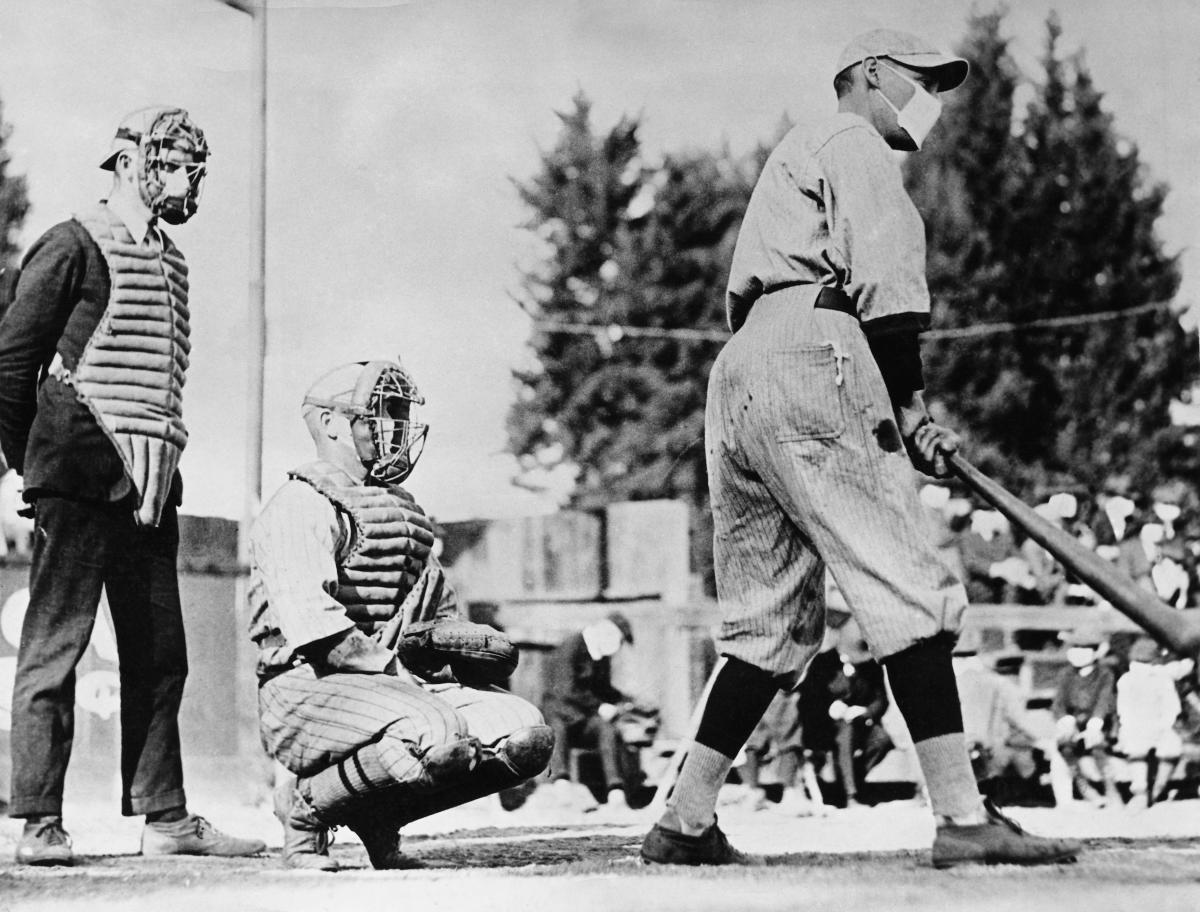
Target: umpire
814	422
93	356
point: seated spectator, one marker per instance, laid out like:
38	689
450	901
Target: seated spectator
773	755
1147	709
1083	708
998	731
991	567
1048	578
859	702
796	736
1187	686
582	706
1131	555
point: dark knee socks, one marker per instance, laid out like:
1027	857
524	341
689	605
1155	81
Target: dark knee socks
740	695
926	693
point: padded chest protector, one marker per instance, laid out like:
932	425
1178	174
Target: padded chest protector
389	547
132	370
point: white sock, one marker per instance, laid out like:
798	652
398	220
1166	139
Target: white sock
691	808
949	779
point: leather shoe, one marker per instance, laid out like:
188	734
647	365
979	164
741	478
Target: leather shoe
382	842
193	835
663	846
45	842
306	838
999	840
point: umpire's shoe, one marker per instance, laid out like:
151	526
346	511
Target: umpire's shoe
306	838
45	842
664	846
193	835
999	840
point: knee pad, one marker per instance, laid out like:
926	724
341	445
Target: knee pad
527	750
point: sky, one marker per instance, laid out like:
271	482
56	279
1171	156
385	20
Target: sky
395	131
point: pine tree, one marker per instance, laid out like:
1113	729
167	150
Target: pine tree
1048	215
630	247
14	205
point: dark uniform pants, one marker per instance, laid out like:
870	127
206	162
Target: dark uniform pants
79	549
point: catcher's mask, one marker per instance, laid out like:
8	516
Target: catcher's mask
381	406
172	160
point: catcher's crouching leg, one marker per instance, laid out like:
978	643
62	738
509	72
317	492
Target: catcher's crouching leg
356	792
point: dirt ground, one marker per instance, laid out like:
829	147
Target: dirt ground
483	859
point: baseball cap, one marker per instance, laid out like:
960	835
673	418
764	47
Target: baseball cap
622	624
1086	635
907	49
335	387
130	131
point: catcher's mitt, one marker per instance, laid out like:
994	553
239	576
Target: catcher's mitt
476	654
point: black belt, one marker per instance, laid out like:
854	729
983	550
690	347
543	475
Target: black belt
835	299
828	298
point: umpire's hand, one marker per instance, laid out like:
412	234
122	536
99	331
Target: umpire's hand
928	446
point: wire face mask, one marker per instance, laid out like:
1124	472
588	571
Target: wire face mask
396	439
380	399
919	113
172	163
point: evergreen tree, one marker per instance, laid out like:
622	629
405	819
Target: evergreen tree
631	247
14	205
1048	215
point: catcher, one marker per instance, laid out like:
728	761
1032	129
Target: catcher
373	690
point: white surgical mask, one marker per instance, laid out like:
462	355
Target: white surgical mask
919	113
1081	656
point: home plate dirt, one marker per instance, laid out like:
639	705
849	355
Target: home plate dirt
481	858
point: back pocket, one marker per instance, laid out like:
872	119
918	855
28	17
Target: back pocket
806	392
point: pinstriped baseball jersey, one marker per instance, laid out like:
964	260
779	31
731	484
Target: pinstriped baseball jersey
310	720
807	470
830	208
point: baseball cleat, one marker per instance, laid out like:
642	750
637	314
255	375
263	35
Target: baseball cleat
45	842
382	842
663	846
999	840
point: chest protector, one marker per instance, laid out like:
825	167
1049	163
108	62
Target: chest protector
388	547
131	372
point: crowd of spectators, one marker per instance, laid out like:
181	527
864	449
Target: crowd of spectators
1154	541
1123	725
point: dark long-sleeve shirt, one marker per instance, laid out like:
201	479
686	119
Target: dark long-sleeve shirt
47	433
577	684
1085	696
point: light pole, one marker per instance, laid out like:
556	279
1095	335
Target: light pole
256	330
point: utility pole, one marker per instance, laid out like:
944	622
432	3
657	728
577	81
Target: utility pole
256	323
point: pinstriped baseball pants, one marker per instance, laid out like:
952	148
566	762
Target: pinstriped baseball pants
806	471
308	723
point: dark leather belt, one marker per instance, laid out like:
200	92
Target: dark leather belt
836	299
828	298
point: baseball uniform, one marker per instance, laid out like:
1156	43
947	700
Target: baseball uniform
807	468
319	622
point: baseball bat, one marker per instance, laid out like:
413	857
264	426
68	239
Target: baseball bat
1177	630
